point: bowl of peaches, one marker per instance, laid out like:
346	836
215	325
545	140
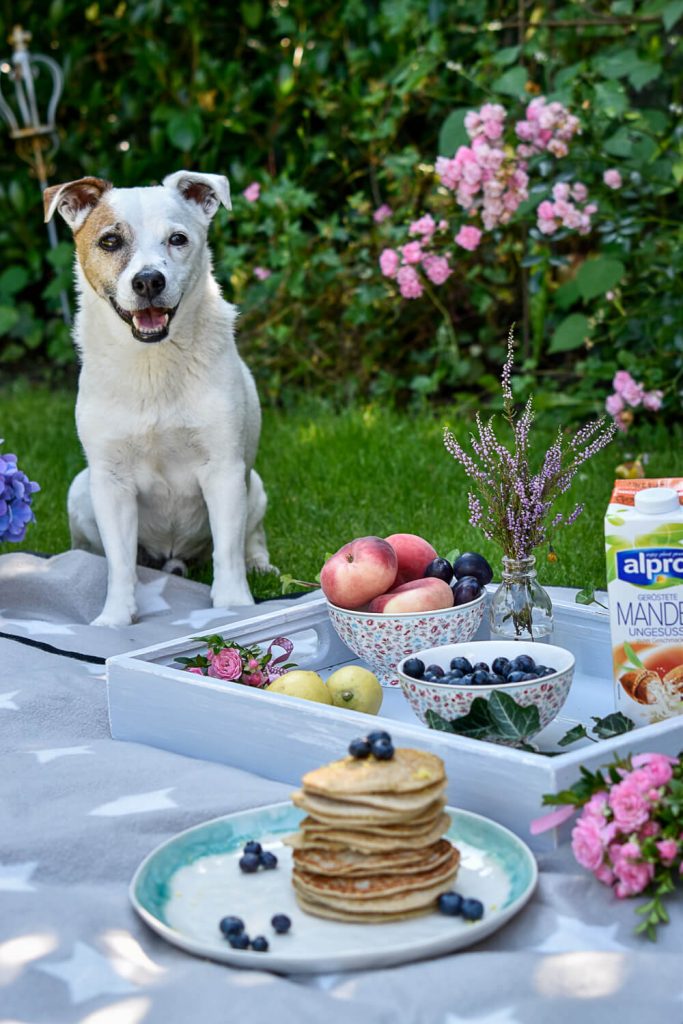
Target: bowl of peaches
389	597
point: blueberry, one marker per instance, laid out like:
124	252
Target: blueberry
528	676
481	666
480	678
429	677
463	664
456	673
547	671
378	734
466	590
281	923
501	666
516	677
471	564
268	860
523	663
497	680
249	862
450	903
472	910
239	941
466	680
260	944
414	668
359	748
252	847
435	670
440	568
231	926
383	750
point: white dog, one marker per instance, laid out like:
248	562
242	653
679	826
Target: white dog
167	412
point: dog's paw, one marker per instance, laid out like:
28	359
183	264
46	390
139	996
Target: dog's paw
232	596
259	564
115	617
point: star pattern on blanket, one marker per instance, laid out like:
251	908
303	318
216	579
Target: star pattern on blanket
88	974
570	934
7	701
32	626
15	877
51	754
201	617
148	596
137	803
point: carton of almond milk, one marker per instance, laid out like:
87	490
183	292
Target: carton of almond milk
644	550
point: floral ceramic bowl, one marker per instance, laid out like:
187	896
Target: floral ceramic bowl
382	640
450	700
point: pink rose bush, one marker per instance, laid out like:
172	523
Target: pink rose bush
629	832
232	662
629	393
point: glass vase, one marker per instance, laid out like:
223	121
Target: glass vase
521	609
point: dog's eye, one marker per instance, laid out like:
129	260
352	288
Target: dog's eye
177	238
110	242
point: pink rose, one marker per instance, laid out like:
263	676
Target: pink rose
254	678
547	227
409	283
388	262
614	404
657	766
604	874
423	226
381	213
612	178
579	192
227	664
252	192
629	389
412	252
652	400
633	874
262	273
561	191
546	210
196	670
436	269
587	844
629	806
668	851
468	237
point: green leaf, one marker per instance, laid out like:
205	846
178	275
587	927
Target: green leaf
252	13
184	129
612	725
671	13
597	276
610	98
453	134
616	520
435	721
511	719
619	144
506	56
617	65
585	596
567	294
646	72
12	281
511	83
453	555
476	723
8	318
632	656
579	732
570	334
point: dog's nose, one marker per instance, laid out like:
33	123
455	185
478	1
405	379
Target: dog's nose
148	283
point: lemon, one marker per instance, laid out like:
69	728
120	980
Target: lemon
357	688
300	683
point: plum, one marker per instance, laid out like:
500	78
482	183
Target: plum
472	564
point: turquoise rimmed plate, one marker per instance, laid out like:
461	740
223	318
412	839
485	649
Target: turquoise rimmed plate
187	884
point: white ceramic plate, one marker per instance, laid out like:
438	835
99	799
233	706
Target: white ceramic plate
185	886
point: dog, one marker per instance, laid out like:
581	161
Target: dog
167	412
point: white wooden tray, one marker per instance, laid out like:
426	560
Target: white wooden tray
153	702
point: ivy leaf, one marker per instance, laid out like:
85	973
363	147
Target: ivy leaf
512	721
435	721
612	725
579	732
476	723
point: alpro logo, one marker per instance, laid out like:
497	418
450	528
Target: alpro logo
645	568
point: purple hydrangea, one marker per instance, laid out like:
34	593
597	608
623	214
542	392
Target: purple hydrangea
16	491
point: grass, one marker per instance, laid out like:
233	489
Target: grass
331	477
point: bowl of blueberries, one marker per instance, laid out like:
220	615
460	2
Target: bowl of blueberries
447	679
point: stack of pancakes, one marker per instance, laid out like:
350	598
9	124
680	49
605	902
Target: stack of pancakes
371	846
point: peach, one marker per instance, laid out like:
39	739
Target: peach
426	595
359	571
414	555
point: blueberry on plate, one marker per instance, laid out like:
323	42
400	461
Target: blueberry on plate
259	944
383	750
435	670
450	904
441	569
414	667
463	664
359	749
281	923
472	910
471	564
239	941
250	862
378	734
501	666
523	663
268	860
252	847
231	926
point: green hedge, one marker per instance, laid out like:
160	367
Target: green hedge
337	107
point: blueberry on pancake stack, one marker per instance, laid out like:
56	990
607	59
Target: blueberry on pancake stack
371	848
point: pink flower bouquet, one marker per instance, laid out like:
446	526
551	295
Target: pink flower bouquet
226	659
630	829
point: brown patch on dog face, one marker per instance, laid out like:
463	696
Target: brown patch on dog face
103	266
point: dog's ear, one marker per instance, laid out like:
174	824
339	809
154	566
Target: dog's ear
74	199
206	191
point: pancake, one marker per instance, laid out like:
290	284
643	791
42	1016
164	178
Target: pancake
408	771
372	887
414	800
335	914
348	863
372	840
396	903
334	811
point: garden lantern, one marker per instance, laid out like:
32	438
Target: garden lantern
35	137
